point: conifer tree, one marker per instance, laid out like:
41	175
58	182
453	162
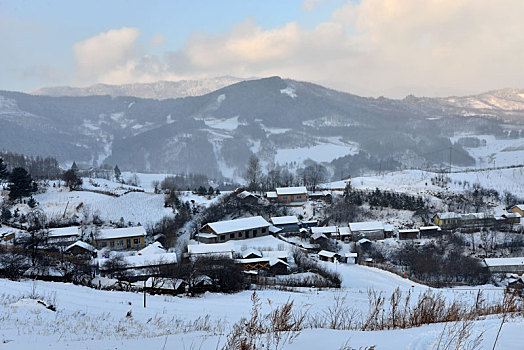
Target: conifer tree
118	173
20	184
3	171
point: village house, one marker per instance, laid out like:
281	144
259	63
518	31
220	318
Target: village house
512	218
389	231
477	220
272	266
138	266
285	223
308	223
166	285
329	231
121	238
320	196
248	197
318	238
82	249
372	230
519	208
63	236
351	258
408	234
291	194
505	265
325	255
223	231
344	234
446	220
429	231
223	250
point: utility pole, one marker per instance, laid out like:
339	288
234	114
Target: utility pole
450	148
144	294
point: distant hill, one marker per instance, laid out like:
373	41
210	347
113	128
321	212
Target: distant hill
285	122
159	90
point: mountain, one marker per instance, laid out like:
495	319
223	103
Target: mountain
285	122
159	90
505	104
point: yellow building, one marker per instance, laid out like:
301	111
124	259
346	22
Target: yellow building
121	238
519	208
444	220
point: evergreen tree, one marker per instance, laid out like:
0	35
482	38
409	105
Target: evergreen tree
3	171
20	184
74	167
32	202
72	180
118	173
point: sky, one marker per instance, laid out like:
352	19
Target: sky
368	47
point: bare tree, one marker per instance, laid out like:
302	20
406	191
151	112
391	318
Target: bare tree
253	173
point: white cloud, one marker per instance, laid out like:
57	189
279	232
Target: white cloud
157	40
390	47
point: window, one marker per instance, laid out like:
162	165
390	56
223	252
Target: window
299	196
103	244
254	233
128	242
112	244
264	230
222	237
284	197
136	241
240	234
120	243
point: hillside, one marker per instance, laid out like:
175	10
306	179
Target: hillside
284	122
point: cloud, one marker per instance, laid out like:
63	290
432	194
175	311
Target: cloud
310	5
104	53
157	40
390	47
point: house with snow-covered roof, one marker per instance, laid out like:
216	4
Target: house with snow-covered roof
446	220
81	248
505	265
223	231
325	255
519	208
121	238
372	230
286	223
291	194
63	235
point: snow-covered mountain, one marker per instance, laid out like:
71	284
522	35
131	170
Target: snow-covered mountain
506	104
285	122
159	90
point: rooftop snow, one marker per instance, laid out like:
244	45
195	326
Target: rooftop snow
290	190
366	226
238	224
210	248
271	194
82	245
284	220
153	248
250	251
126	232
491	262
410	230
64	231
318	235
327	254
449	215
424	228
136	261
324	229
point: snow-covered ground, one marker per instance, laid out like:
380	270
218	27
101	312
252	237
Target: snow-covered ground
86	318
496	152
419	181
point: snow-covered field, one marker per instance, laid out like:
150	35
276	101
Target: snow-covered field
86	318
419	181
